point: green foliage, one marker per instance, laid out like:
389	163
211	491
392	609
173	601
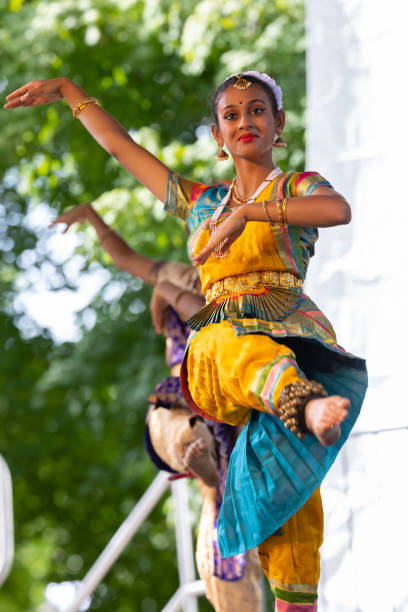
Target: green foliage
72	414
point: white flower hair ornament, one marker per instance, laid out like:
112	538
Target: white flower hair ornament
243	83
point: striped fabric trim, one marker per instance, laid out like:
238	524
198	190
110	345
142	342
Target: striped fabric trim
284	244
286	606
310	314
294	588
295	597
304	183
310	188
264	386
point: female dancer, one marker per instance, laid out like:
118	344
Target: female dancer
259	341
175	439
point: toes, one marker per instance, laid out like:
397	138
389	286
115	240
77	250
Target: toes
195	449
341	402
199	445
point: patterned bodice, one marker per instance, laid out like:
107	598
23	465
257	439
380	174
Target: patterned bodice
261	246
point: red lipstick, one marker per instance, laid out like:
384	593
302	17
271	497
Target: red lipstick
247	137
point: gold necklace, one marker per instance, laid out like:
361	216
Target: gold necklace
237	196
217	253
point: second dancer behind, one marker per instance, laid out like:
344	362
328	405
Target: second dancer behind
176	439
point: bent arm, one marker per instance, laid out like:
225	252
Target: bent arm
108	132
184	302
324	208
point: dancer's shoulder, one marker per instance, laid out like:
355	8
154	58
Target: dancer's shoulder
302	183
183	194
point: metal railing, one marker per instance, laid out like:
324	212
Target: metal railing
185	598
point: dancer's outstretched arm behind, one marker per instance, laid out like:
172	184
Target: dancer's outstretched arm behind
124	257
165	293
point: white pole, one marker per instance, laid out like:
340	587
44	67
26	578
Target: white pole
196	588
184	542
120	540
6	521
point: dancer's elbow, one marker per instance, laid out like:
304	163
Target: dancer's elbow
342	212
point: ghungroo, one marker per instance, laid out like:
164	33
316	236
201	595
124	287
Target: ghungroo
292	403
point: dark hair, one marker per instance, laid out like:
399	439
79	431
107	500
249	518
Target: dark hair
231	80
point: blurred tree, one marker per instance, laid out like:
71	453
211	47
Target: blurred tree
72	413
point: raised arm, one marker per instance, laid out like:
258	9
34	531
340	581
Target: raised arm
108	132
124	257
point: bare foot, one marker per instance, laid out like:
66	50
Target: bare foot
199	460
324	415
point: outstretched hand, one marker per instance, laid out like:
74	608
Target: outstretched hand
35	93
224	236
78	214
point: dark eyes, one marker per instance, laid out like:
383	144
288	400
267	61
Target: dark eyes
256	110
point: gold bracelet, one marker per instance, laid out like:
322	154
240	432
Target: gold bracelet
179	295
105	235
284	205
279	203
81	105
268	216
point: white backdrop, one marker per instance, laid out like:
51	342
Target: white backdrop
357	137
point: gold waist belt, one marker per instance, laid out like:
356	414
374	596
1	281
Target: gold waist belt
252	280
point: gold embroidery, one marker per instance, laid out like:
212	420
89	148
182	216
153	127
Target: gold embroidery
231	285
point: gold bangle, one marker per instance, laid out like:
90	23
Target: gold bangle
279	204
268	216
179	295
105	235
81	105
284	205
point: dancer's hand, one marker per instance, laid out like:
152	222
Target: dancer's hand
35	93
228	231
78	214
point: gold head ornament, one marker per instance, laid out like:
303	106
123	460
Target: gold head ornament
241	82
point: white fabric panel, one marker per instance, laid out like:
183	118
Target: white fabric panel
357	138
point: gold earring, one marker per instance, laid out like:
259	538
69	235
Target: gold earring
280	142
221	155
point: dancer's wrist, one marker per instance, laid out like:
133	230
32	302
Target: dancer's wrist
242	212
71	92
65	85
